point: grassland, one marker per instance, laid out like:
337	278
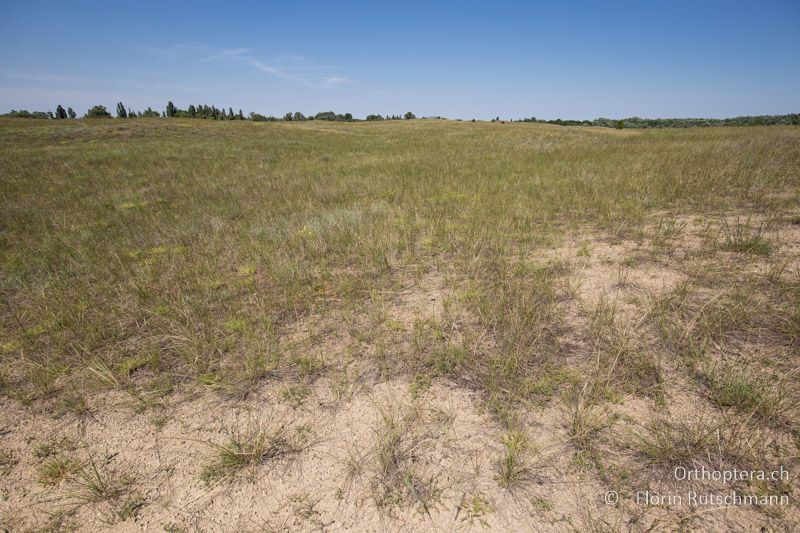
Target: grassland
408	325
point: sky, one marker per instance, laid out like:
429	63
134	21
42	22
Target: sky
459	59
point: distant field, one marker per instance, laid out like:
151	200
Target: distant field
417	325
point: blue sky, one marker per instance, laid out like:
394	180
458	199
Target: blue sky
458	59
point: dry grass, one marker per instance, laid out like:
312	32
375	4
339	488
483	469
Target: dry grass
396	480
255	444
155	262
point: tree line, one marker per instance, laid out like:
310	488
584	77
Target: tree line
60	113
637	122
200	111
213	113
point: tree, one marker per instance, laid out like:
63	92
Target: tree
121	113
98	111
60	112
288	117
149	112
240	116
325	115
131	114
231	116
299	116
409	115
71	113
192	111
620	125
170	109
348	116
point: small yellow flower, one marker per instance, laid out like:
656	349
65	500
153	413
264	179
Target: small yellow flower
306	232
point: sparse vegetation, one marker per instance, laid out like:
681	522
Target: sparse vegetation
254	445
396	479
54	471
295	394
587	419
667	443
512	469
742	390
535	303
744	238
96	482
7	462
475	508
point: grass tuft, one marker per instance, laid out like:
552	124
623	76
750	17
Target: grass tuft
55	470
474	508
512	470
746	239
739	389
250	447
587	420
396	479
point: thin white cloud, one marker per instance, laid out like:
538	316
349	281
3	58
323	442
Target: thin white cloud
386	94
25	97
160	86
62	79
305	72
231	52
275	71
334	81
178	50
289	57
42	77
290	67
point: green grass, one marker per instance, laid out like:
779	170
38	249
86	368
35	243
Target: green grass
512	470
396	478
109	493
250	447
622	362
668	443
474	508
96	483
295	394
587	420
743	390
744	238
54	471
199	242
